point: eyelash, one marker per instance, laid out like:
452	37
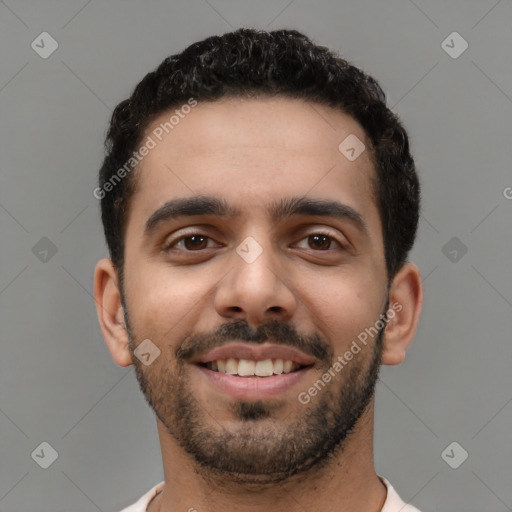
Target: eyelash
328	235
182	238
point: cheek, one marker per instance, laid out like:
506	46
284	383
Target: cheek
162	300
343	303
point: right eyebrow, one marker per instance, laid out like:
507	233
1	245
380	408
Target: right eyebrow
189	206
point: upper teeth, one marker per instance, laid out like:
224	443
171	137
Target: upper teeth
246	367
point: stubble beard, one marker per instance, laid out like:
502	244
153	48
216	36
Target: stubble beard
256	448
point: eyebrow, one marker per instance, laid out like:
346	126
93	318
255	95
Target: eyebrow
278	210
317	208
189	207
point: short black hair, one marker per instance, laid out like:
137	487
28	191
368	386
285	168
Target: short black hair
251	63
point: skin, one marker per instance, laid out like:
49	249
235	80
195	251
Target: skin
251	152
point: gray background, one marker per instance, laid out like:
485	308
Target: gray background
58	382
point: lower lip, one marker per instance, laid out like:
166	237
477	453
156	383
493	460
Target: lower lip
253	388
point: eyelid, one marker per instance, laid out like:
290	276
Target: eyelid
169	242
201	231
314	226
341	241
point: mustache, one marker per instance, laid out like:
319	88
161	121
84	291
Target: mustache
273	331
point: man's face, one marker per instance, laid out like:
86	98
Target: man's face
279	269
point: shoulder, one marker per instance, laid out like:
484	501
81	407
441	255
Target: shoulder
393	501
143	502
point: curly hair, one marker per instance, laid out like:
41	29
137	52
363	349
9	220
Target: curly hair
249	63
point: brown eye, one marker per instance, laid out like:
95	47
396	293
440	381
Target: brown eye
192	242
195	242
319	242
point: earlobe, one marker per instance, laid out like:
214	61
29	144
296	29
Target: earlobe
110	312
405	303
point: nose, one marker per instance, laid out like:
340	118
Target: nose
254	290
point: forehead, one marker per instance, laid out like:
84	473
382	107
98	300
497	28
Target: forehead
253	152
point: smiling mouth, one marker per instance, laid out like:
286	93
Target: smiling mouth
250	368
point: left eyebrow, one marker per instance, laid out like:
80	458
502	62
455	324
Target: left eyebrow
317	207
278	210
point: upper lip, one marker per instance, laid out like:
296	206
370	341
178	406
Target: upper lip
255	353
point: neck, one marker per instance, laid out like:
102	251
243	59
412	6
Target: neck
346	482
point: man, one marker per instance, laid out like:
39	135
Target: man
259	202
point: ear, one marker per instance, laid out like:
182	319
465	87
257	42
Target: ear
405	302
110	312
